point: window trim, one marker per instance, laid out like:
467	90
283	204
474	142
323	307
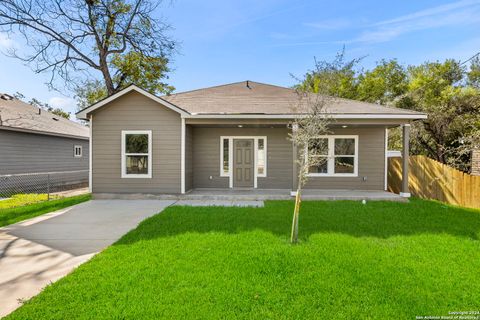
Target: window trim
79	147
331	157
255	156
124	173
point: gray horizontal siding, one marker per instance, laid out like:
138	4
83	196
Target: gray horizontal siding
371	163
206	156
206	159
136	112
27	153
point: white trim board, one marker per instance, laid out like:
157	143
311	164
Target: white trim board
293	116
82	114
90	156
230	158
386	159
182	157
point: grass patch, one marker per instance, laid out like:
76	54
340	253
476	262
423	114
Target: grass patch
382	260
19	213
19	200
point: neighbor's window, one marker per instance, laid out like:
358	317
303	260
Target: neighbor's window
261	158
77	151
338	154
136	154
225	157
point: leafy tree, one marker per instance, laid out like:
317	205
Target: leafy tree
115	42
45	106
384	83
453	106
338	78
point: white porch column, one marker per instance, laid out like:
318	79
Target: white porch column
90	155
182	158
405	155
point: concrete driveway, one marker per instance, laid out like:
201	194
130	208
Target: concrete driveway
41	250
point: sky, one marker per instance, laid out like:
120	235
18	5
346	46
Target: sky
223	41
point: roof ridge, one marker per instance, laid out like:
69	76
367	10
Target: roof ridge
225	85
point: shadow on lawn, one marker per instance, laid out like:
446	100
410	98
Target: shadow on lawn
375	219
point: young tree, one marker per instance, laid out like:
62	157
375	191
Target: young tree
114	41
313	121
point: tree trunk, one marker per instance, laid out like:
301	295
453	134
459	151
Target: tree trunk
296	211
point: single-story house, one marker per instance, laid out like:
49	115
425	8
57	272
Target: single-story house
231	136
35	141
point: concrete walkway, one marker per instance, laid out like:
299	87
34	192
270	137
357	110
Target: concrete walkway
36	252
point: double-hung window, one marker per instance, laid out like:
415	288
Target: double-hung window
137	154
77	151
334	156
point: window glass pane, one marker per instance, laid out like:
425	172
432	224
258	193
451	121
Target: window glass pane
137	164
344	164
345	147
136	143
261	157
225	155
320	167
318	147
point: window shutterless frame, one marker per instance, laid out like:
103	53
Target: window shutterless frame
124	173
331	157
77	151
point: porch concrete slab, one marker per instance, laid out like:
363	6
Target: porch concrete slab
207	194
38	251
220	203
357	195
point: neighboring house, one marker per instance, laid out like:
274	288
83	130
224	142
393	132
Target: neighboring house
231	136
33	140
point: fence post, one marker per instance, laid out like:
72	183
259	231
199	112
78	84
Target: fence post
48	187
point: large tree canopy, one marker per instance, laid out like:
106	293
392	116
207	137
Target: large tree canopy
448	92
116	42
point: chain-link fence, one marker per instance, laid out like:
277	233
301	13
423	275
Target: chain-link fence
42	182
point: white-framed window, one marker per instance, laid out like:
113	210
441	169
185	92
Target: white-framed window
136	154
339	153
226	155
77	151
261	150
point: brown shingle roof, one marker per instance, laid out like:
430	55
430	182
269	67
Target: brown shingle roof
16	114
259	98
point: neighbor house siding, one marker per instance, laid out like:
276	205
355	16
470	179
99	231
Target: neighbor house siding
134	111
371	162
28	153
206	157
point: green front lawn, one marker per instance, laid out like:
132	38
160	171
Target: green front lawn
22	207
381	260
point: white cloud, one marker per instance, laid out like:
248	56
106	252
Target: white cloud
330	24
430	12
65	103
453	14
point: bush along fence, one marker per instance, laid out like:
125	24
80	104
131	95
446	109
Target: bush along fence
42	182
430	179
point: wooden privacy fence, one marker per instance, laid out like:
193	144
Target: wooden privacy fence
430	179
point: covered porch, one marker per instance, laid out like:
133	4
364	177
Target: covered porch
210	163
